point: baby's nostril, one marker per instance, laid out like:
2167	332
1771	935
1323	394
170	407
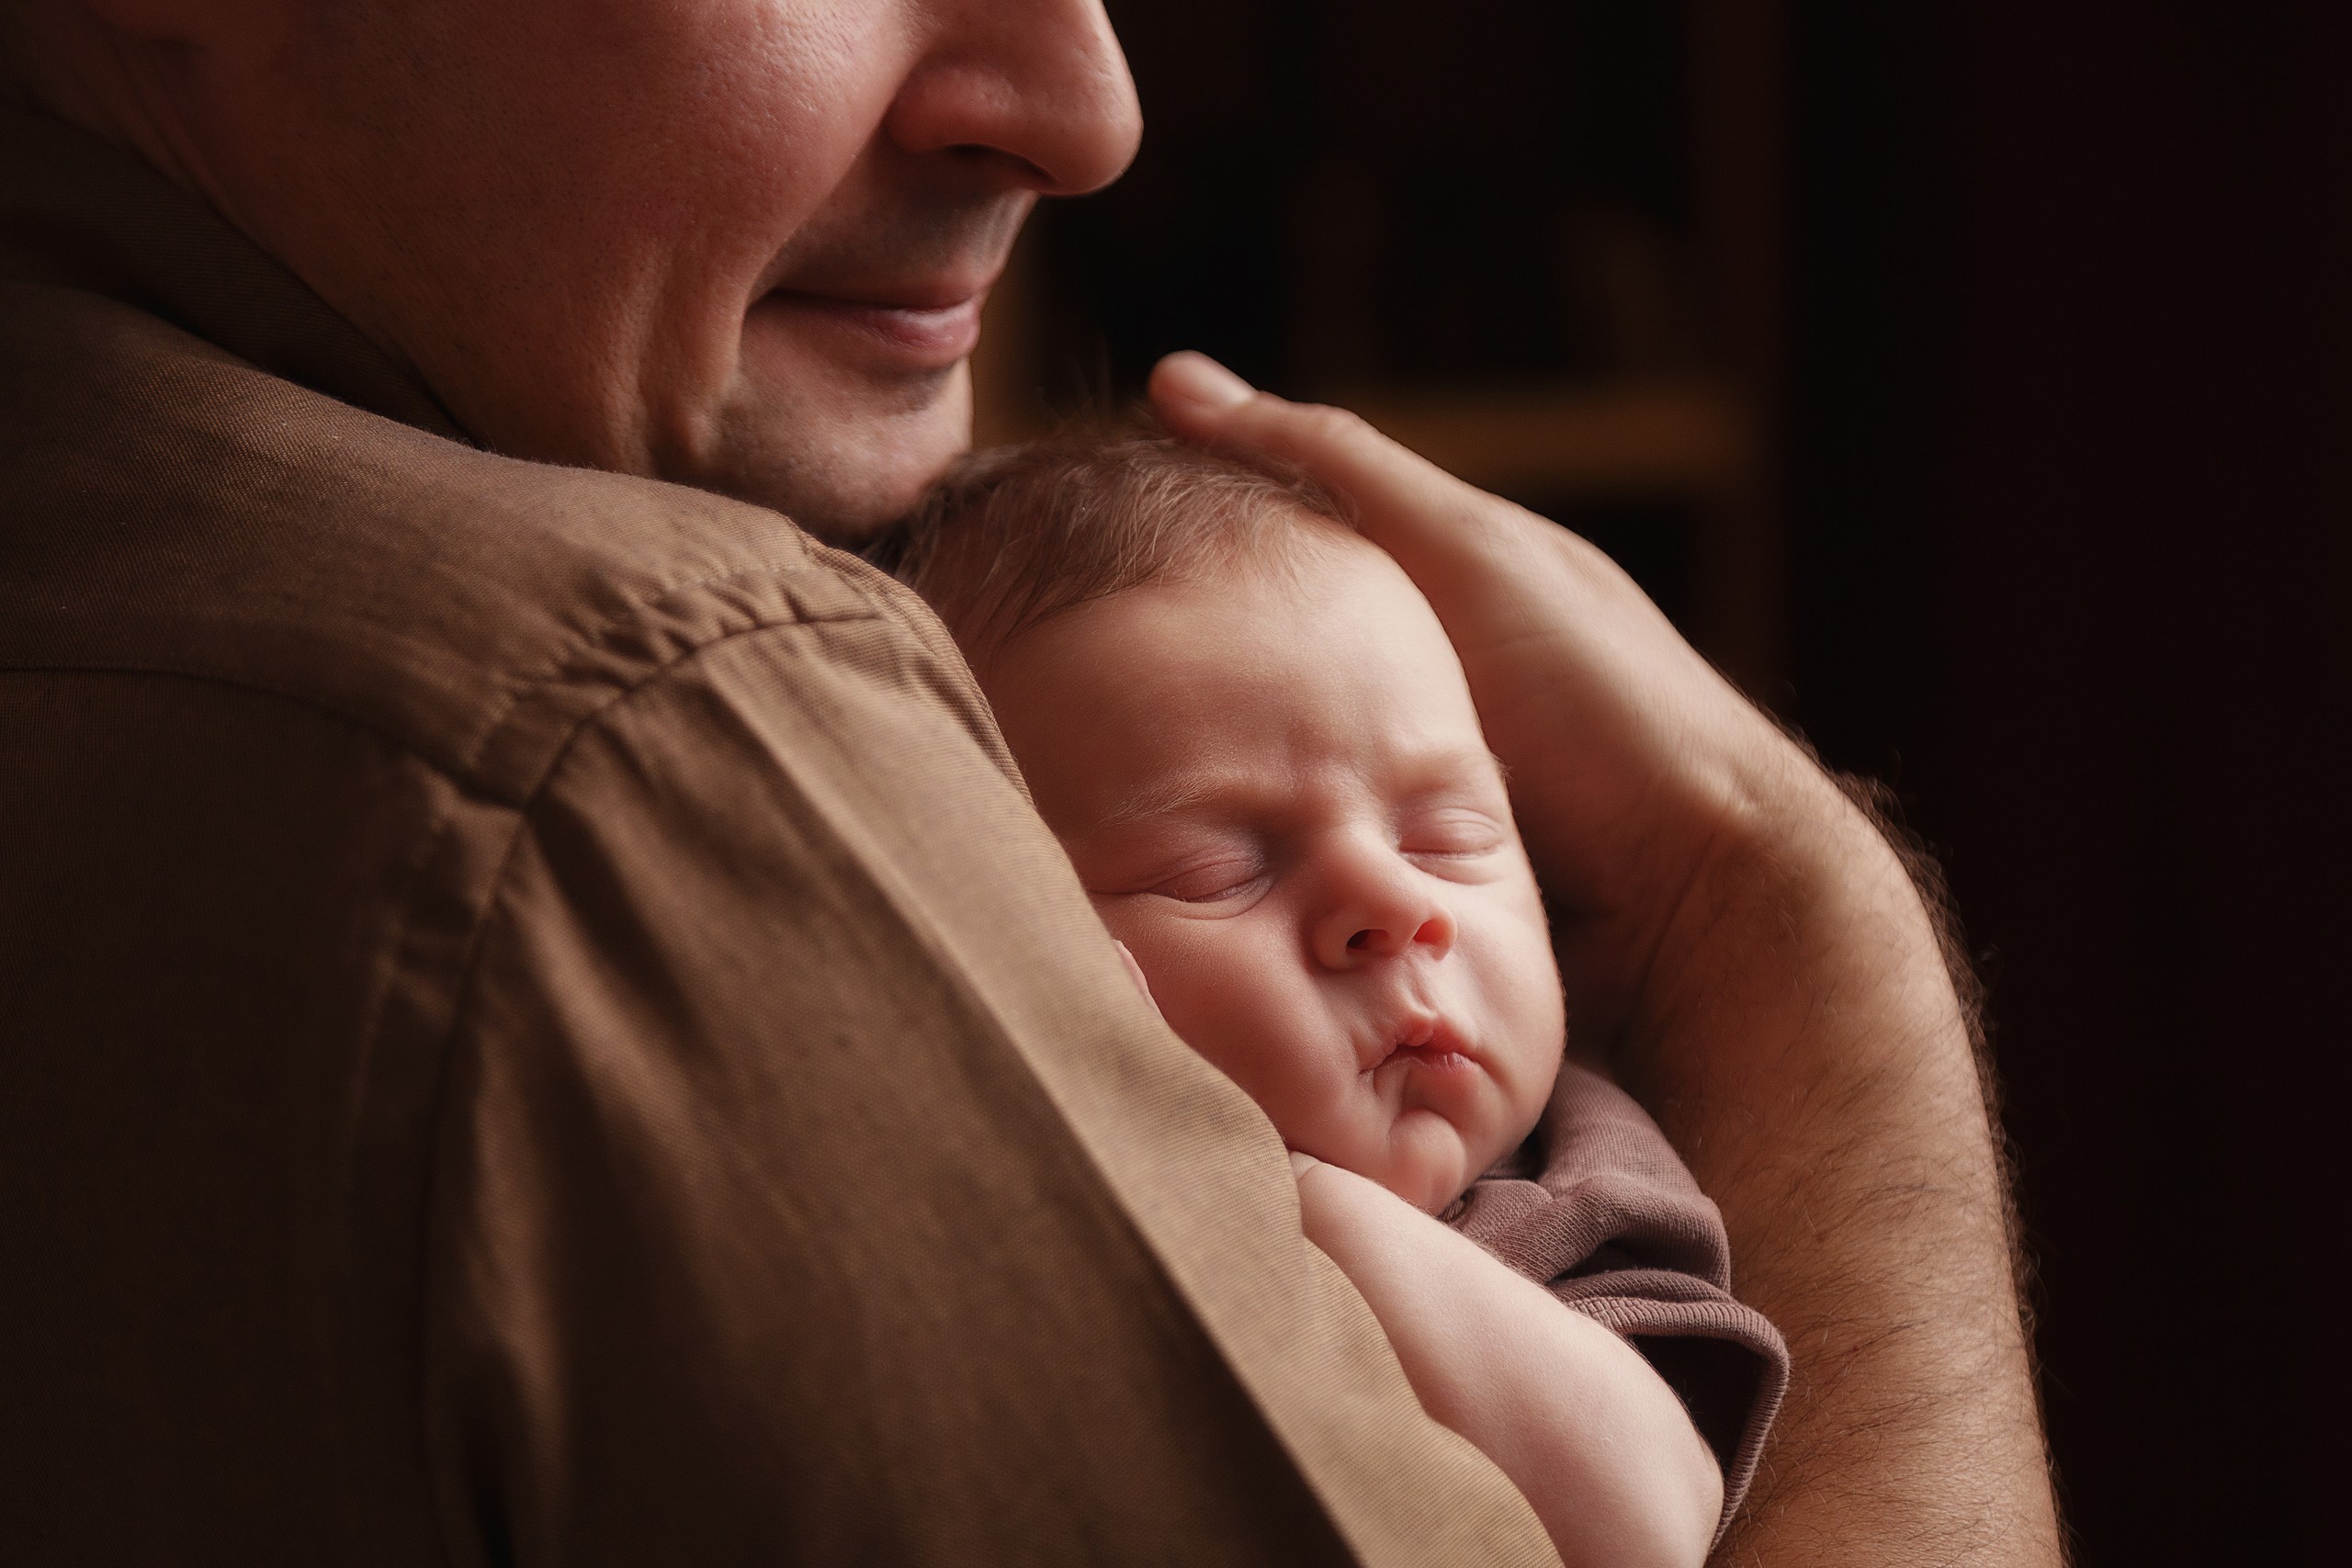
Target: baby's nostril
1358	940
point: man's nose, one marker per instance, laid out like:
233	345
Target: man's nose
1383	906
1043	82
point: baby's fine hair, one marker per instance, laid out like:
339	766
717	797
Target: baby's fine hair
1015	535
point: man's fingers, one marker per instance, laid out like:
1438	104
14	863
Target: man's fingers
1475	554
1190	384
1399	497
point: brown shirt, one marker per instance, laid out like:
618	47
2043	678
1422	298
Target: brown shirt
536	1021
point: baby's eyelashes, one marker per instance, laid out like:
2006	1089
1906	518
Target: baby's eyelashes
1191	867
1463	834
1217	882
1221	873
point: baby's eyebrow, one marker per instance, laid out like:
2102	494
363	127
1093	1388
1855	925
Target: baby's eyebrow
1446	768
1169	796
1162	797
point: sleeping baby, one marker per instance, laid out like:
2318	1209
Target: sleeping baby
1251	736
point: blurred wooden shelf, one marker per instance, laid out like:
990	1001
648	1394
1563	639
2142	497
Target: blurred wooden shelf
1689	438
1661	439
1650	440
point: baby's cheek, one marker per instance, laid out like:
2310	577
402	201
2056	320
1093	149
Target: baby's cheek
1244	1022
1166	961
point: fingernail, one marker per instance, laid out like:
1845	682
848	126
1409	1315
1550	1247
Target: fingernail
1203	382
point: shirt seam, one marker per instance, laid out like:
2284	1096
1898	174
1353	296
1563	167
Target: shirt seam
463	766
631	612
439	1113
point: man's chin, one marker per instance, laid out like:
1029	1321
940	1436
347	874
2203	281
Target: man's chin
848	510
846	475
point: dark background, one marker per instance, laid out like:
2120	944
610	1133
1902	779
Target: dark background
2043	315
2071	473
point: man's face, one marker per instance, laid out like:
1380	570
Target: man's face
735	243
1274	786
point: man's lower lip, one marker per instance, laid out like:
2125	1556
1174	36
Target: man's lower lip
926	339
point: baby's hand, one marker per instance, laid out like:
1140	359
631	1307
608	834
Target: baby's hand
1600	1445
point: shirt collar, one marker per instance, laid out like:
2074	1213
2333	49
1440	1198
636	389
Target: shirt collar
81	213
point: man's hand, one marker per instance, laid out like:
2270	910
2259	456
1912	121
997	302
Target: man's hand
1750	952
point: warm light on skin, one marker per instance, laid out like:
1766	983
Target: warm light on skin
1275	788
735	243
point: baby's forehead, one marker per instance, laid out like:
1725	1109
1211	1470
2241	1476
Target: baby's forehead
1289	548
1229	560
1322	628
1284	585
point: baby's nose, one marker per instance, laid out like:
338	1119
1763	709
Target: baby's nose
1382	942
1387	917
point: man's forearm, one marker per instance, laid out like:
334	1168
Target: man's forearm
1813	1060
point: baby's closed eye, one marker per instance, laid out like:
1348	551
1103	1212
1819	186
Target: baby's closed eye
1189	867
1453	832
1211	882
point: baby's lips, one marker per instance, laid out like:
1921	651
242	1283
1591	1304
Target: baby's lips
1438	1044
1446	1040
1413	1032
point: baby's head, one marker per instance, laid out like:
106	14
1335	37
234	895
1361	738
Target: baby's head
1247	729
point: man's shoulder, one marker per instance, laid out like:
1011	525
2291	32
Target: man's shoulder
176	511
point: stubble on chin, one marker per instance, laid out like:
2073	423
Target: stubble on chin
843	473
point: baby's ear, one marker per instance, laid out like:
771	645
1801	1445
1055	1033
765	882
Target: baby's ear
1134	973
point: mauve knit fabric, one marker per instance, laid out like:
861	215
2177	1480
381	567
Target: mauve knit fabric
1597	1207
